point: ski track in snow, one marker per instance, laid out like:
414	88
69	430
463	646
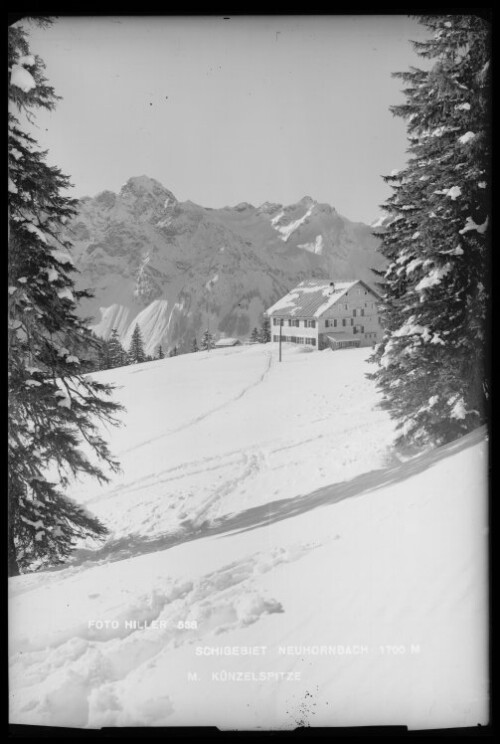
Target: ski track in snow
165	506
249	462
205	415
221	478
102	660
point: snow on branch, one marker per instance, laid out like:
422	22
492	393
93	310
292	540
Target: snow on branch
471	225
434	277
21	78
467	137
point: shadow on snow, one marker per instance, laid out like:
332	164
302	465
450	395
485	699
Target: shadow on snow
265	514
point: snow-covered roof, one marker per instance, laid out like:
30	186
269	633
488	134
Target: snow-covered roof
227	342
312	297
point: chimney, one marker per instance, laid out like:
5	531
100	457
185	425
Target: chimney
332	287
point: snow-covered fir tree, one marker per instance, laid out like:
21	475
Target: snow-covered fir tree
173	352
103	358
53	410
265	330
194	345
159	353
432	368
254	336
89	352
136	353
116	353
207	341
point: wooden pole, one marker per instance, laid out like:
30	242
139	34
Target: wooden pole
281	323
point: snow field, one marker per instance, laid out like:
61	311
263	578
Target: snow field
259	512
215	432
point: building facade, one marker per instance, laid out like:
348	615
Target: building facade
324	314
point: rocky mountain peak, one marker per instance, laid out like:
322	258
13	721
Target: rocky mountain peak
269	208
144	186
243	206
105	199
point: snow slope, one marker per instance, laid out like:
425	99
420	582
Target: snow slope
271	564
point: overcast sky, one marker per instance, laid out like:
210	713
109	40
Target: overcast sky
222	111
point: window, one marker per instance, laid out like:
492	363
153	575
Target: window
289	322
335	323
352	321
297	323
345	306
362	329
276	338
362	311
343	321
310	323
353	314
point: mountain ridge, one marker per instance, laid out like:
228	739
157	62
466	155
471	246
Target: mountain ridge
176	268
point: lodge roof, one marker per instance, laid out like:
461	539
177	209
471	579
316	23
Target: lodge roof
226	342
312	297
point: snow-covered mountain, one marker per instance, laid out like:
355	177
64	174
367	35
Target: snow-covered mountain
271	562
177	268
